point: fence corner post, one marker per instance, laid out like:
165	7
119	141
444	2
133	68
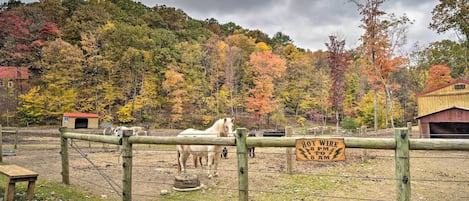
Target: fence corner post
289	133
242	155
126	165
64	156
402	164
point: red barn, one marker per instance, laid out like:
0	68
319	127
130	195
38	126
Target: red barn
443	112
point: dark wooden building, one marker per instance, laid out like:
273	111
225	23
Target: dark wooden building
443	112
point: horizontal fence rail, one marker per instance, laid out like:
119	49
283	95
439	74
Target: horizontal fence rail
401	144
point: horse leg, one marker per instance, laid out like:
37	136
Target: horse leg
195	159
200	161
211	157
182	158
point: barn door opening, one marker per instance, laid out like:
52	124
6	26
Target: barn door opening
449	130
81	123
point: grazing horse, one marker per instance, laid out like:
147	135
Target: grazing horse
136	130
221	128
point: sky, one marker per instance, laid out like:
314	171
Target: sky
309	22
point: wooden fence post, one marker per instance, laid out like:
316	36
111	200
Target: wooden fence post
289	133
409	128
402	164
64	154
1	144
242	155
127	166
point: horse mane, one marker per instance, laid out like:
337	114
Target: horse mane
219	127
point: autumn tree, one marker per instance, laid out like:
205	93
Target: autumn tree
62	73
174	84
377	49
14	38
267	67
438	75
337	64
297	84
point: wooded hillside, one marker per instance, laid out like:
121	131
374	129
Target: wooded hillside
134	64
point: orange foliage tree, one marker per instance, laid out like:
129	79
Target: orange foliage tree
438	75
267	66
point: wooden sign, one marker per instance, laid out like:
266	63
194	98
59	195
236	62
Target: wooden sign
320	149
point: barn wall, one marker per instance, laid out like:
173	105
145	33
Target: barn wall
450	115
443	98
93	123
68	122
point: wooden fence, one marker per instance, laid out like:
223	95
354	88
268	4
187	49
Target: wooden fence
2	130
401	144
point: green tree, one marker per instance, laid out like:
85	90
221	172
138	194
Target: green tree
86	18
451	15
450	53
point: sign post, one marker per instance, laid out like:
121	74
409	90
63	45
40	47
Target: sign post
319	149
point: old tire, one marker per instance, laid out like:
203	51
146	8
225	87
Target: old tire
186	182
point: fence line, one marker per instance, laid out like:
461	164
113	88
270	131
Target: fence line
401	144
15	146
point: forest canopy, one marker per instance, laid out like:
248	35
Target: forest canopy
134	64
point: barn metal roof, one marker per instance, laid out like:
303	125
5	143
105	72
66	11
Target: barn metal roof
453	107
441	87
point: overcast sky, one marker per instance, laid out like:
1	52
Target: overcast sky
308	22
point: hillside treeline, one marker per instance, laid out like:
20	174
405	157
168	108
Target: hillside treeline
134	64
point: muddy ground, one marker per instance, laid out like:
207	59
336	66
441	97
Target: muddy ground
96	168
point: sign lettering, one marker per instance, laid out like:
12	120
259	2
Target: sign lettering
319	149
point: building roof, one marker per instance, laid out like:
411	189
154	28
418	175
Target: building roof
442	86
14	73
83	115
453	107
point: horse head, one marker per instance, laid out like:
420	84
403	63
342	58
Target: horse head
228	126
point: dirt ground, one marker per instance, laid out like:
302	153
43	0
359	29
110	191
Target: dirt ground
96	168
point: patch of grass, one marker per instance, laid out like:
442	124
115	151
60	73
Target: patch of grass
49	191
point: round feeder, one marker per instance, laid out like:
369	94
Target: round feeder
186	182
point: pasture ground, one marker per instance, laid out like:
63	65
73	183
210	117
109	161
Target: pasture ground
435	175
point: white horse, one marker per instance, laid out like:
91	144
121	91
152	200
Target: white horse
221	128
136	130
